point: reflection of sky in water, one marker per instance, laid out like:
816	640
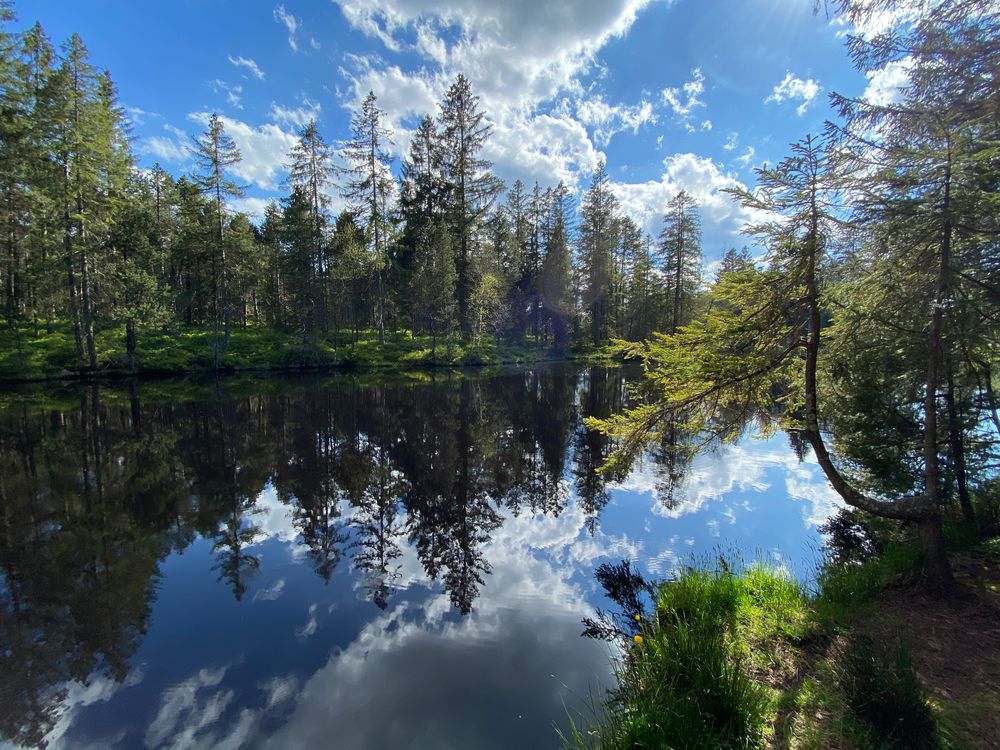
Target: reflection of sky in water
301	664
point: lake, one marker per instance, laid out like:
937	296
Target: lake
343	561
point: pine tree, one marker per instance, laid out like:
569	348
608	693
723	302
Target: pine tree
216	153
92	152
311	170
734	261
136	295
598	236
471	187
680	252
644	291
629	248
273	290
15	157
421	202
432	287
369	187
43	219
556	283
299	261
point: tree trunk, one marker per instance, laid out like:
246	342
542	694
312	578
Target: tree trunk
937	569
130	342
88	319
956	446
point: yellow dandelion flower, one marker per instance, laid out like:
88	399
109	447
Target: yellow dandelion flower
638	618
638	639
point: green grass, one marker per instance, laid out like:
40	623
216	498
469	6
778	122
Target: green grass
742	656
190	349
686	678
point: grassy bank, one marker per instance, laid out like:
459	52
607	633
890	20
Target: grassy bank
52	354
742	656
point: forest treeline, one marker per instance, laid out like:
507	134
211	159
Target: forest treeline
94	242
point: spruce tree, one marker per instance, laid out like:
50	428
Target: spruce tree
556	282
369	187
598	235
216	154
471	187
311	170
680	253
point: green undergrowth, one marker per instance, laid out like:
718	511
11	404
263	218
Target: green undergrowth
52	353
733	655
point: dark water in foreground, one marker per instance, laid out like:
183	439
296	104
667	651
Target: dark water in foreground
339	562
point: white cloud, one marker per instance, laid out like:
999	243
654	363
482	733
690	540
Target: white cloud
265	149
272	592
313	43
164	148
182	715
792	87
297	116
886	85
279	689
79	695
685	99
517	55
233	93
607	120
290	22
731	141
703	180
311	625
746	159
870	25
138	116
547	148
249	64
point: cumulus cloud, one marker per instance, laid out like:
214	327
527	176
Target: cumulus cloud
518	56
291	24
887	84
265	149
249	64
703	179
515	52
792	88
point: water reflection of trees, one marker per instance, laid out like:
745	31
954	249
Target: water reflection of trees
98	484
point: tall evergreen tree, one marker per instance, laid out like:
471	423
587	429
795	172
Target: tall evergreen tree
556	282
471	187
369	188
680	252
216	154
92	152
311	170
598	235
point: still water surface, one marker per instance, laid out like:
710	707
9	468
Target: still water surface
342	562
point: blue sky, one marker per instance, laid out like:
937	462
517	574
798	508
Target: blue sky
681	94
